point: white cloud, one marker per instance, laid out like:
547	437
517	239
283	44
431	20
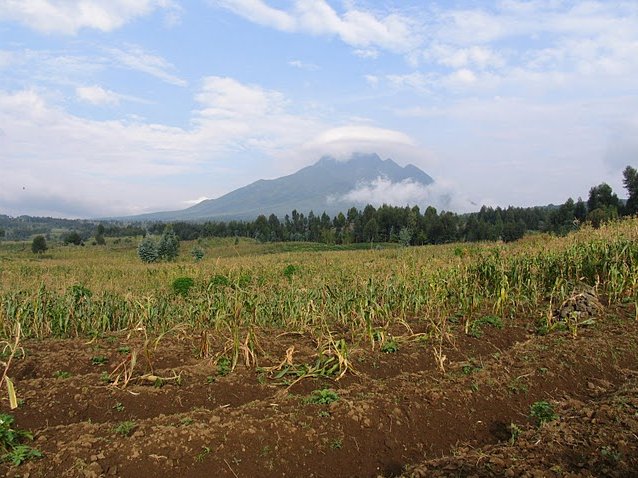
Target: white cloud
70	16
415	81
358	28
368	53
622	147
480	57
342	141
259	12
362	134
408	193
6	58
224	97
372	80
546	150
133	158
137	59
192	202
302	65
97	95
463	77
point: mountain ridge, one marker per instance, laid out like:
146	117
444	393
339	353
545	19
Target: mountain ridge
320	187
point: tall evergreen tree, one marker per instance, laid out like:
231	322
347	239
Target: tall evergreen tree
630	181
168	246
147	250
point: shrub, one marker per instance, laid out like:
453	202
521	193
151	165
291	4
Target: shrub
219	280
72	238
182	285
39	245
197	253
290	270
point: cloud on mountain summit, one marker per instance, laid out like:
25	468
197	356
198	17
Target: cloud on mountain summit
408	192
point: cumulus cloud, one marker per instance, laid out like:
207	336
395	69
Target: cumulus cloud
408	193
133	158
70	16
227	98
524	48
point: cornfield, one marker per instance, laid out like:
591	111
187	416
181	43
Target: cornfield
90	291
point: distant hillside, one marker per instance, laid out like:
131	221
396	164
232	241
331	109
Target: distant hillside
320	187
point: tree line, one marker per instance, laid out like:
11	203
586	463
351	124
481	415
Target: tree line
411	226
405	225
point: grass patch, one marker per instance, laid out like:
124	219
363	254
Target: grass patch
324	396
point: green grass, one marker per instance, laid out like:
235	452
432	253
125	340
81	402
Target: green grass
542	412
390	347
224	366
99	360
12	447
323	396
125	428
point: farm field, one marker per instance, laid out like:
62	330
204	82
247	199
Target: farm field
456	360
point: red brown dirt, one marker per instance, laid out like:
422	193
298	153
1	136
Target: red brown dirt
397	413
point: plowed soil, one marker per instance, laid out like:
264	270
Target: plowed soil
397	414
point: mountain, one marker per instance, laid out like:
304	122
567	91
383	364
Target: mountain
320	187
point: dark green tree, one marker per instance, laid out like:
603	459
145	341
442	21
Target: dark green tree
39	245
262	229
72	237
630	181
147	250
580	210
168	246
561	220
601	215
513	231
370	230
405	236
99	235
602	196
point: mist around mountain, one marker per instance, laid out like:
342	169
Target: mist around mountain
329	185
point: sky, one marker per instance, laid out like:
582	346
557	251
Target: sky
118	107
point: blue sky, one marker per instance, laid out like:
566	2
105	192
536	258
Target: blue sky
128	106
